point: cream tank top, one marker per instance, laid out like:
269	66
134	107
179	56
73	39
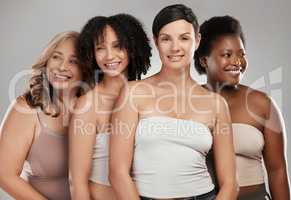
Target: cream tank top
100	159
169	158
248	145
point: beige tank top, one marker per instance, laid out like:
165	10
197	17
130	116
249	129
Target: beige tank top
47	164
248	145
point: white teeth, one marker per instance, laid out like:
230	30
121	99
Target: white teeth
175	57
112	65
233	72
63	77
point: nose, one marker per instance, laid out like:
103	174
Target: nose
64	65
109	54
237	61
175	46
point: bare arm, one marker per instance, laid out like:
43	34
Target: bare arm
82	134
275	154
224	156
122	146
17	132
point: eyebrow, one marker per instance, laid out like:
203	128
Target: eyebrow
101	43
60	53
231	50
116	42
186	33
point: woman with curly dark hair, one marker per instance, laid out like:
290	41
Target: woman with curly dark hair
257	124
116	50
35	127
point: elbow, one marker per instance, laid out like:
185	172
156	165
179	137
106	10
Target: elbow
117	175
279	175
233	188
5	178
113	176
230	189
79	180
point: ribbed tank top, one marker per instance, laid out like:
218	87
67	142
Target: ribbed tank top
100	166
46	166
248	145
169	158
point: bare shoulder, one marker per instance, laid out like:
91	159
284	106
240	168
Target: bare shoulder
214	98
20	118
202	90
21	108
256	98
255	94
136	93
141	86
219	103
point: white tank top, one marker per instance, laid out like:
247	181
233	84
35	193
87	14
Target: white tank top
169	158
100	168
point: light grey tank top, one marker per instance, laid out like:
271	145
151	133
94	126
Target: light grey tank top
169	158
100	165
46	166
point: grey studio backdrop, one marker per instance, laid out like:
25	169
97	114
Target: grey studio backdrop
27	26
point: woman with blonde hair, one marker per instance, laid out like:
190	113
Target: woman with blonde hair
34	130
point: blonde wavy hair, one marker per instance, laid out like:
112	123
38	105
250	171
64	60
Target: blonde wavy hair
40	92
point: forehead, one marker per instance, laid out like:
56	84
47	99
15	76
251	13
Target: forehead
107	35
66	45
177	27
228	42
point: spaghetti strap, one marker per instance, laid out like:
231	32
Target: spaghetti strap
38	110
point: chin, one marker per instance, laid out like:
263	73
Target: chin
112	74
60	86
176	66
231	84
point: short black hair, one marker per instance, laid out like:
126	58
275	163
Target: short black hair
131	37
173	13
210	31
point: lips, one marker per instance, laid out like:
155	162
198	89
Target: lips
112	66
175	58
62	77
233	70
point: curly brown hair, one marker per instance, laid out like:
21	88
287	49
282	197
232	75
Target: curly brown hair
131	36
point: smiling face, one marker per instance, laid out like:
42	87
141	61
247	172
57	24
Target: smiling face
176	43
111	59
62	67
227	61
